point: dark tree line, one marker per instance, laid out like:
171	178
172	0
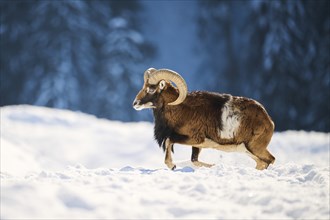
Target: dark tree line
274	51
90	56
81	55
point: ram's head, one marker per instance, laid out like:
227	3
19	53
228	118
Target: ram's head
155	82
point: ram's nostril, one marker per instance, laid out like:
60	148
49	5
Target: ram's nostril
135	102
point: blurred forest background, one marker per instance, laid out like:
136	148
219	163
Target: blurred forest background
90	55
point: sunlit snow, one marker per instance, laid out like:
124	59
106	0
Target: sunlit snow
60	164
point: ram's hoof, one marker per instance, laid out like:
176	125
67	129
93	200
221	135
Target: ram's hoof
174	167
202	164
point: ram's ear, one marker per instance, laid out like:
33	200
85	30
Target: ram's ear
162	84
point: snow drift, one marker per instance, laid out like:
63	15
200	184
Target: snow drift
65	165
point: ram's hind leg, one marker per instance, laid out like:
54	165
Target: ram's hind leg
260	163
257	148
194	158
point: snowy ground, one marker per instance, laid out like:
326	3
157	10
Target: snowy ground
65	165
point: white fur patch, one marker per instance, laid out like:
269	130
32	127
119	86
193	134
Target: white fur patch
230	121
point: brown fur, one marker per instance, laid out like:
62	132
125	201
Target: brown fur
199	118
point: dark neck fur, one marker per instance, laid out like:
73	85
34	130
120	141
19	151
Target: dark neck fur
163	130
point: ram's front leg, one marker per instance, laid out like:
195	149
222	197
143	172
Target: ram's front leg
168	154
194	158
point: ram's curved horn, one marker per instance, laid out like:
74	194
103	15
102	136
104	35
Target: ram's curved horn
147	74
170	75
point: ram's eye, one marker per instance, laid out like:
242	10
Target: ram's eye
150	90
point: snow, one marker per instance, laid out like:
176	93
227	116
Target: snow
60	164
